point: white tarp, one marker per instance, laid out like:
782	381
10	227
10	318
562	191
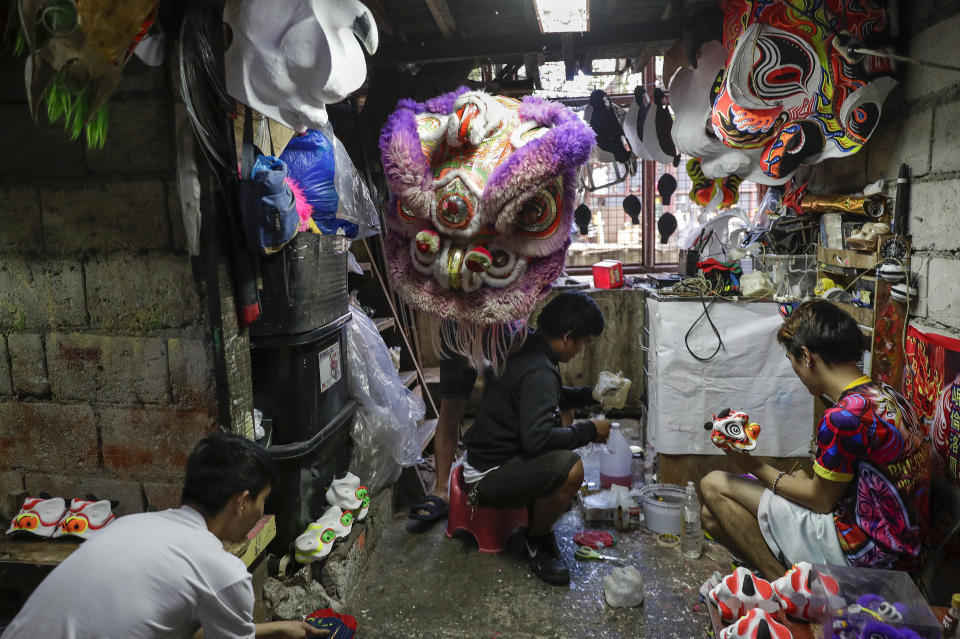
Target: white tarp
751	373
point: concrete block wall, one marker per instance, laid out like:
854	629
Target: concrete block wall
920	126
106	358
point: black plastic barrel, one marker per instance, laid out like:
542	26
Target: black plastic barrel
303	286
300	381
307	469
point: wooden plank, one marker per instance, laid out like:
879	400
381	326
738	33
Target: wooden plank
512	47
33	551
256	542
431	375
861	315
383	323
365	266
799	629
846	259
408	378
425	432
442	16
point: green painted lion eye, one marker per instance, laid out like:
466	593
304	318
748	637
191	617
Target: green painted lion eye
361	492
328	536
346	519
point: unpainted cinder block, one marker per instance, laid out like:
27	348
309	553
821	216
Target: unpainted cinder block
107	216
151	443
20	203
48	437
28	364
111	369
933	215
40	294
142	292
191	373
126	492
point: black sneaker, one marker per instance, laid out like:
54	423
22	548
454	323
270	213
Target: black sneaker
545	561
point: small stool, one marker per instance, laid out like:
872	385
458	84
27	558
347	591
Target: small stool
491	527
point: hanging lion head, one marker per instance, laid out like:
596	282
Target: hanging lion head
481	206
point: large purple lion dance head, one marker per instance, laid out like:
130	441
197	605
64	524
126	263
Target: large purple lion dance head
481	206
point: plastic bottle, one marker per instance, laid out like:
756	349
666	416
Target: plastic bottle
952	617
691	537
615	463
636	469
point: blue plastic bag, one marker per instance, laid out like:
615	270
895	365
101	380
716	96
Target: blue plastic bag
310	160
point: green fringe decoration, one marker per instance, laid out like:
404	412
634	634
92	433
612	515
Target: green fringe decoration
62	101
74	108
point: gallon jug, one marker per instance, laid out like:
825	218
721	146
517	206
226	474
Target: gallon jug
615	462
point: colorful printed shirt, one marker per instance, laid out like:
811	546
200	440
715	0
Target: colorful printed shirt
872	439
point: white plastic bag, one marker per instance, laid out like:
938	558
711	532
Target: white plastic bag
611	390
623	587
385	429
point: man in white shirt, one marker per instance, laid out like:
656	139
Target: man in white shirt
165	575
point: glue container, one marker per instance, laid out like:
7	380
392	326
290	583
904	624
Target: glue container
615	462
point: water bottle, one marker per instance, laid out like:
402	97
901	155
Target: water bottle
615	463
691	537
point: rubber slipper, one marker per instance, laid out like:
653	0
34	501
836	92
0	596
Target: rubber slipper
435	506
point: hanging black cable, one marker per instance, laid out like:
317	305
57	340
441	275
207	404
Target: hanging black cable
705	313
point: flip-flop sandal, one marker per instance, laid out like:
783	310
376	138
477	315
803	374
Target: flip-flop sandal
435	506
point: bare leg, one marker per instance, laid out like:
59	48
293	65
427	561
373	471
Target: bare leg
731	504
546	511
445	441
566	417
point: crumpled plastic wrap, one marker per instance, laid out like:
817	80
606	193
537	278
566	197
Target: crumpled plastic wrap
623	587
611	390
385	432
355	204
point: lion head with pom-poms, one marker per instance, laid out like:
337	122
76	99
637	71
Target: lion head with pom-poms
481	206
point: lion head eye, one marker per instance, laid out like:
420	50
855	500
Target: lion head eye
328	536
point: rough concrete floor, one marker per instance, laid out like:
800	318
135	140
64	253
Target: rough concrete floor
427	586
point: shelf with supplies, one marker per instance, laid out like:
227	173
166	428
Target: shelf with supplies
866	297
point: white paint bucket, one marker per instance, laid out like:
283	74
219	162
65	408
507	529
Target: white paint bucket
662	507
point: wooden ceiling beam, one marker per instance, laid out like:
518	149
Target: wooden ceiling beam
510	47
384	22
442	16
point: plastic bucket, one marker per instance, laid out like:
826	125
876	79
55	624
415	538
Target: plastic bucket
663	507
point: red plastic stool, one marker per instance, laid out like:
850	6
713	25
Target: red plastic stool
491	527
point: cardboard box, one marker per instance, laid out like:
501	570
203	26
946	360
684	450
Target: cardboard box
608	274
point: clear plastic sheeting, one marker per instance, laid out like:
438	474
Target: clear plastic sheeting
385	432
355	204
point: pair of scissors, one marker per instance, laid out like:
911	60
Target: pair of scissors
586	553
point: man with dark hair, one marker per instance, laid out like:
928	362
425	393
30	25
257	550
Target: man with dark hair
518	452
165	574
868	501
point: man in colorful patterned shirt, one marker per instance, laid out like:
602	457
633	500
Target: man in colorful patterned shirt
868	501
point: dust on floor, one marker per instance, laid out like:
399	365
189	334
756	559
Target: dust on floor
427	586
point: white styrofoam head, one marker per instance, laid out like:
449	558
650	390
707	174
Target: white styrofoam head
287	59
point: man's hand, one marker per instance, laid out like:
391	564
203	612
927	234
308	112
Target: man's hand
603	430
289	630
743	460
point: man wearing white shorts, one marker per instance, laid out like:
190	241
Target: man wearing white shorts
867	503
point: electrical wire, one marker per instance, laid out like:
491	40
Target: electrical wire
701	287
